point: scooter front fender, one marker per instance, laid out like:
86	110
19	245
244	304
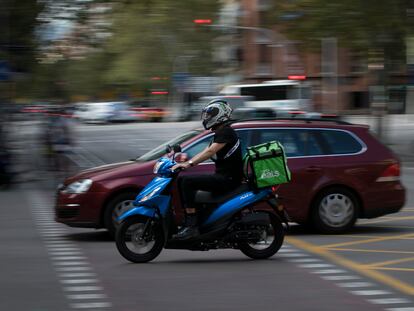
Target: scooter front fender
139	210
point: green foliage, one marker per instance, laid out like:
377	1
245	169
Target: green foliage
359	25
17	35
149	35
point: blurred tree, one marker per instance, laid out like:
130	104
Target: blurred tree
365	26
17	37
148	37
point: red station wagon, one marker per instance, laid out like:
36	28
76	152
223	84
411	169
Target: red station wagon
340	172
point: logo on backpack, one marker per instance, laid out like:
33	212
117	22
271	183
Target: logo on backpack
269	174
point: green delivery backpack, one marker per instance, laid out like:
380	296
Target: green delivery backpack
267	165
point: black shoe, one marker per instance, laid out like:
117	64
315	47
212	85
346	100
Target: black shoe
187	233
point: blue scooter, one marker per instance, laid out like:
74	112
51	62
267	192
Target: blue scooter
232	220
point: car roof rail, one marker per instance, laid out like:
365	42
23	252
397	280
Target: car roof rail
293	118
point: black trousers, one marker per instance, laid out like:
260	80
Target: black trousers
215	183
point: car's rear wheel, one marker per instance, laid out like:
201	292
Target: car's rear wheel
115	208
335	210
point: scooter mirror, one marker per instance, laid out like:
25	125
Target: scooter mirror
176	148
181	157
168	149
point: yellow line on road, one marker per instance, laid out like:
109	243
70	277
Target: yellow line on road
361	269
387	219
393	269
379	239
368	250
388	262
365	236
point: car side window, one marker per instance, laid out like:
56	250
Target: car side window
340	142
198	146
293	141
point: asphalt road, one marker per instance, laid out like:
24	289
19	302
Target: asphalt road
48	266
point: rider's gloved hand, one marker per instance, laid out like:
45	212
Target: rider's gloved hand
183	165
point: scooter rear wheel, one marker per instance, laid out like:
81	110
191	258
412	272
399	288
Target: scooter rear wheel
269	245
133	246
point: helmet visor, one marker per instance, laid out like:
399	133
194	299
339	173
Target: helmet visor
208	113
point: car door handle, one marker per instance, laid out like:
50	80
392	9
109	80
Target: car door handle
313	169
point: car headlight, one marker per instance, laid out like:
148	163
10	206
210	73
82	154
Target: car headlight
80	186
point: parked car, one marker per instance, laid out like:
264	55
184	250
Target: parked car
104	112
340	172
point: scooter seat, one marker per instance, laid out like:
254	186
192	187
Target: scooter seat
212	198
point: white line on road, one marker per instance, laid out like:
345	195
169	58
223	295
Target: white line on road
355	284
329	271
77	275
304	260
82	288
401	309
340	277
91	305
71	263
316	265
79	281
69	258
86	296
70	269
384	301
293	255
370	292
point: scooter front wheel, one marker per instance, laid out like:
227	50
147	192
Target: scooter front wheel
135	245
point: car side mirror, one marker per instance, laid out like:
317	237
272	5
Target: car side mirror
176	148
181	157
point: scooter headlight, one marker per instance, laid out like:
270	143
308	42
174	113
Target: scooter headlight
157	167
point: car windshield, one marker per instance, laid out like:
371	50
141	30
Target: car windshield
160	150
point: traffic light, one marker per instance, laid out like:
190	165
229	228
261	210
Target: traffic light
202	21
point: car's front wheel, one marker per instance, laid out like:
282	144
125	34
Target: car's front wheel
335	210
115	208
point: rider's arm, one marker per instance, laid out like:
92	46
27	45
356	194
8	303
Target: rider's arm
207	153
202	156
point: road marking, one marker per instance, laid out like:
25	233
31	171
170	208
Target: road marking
340	277
68	269
387	220
69	258
329	271
401	309
304	260
355	284
71	263
86	296
316	265
394	269
383	301
293	255
82	288
91	305
374	292
77	275
386	238
388	262
65	253
369	250
79	281
361	269
73	270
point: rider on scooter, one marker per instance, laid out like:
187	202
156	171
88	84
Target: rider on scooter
225	151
